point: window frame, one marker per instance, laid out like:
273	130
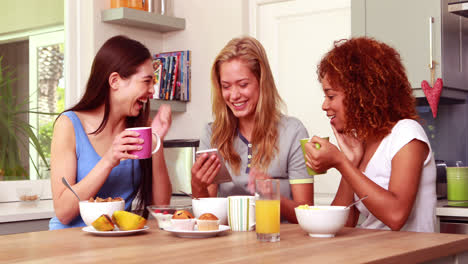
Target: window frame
36	41
38	37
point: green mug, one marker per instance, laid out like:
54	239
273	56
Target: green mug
457	183
317	145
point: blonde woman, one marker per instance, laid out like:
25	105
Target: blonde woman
251	134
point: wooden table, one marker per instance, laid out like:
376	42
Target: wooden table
351	245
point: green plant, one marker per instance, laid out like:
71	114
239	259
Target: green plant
46	130
12	125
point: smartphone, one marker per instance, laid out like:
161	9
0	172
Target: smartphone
223	174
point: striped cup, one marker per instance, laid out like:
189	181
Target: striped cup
241	213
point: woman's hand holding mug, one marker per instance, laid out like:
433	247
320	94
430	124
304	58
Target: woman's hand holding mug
123	143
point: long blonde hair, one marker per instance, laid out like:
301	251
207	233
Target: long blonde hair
267	113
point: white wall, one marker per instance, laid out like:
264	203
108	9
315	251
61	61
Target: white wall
210	24
104	31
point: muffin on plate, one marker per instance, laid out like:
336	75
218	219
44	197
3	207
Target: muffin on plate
182	214
183	220
207	222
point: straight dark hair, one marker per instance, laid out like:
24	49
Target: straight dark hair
122	55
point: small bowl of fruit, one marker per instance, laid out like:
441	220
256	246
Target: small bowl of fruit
164	213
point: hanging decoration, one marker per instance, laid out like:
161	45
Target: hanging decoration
433	91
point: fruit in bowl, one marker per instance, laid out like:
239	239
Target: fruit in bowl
164	213
91	211
321	221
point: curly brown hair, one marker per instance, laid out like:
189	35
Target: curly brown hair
377	91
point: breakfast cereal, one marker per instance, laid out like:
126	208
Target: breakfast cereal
101	200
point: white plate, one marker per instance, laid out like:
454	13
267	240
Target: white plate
116	232
198	234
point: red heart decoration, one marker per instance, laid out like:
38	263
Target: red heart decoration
433	94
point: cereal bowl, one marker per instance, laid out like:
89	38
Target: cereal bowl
90	211
321	221
163	213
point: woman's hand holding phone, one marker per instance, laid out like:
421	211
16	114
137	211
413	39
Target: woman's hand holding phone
205	169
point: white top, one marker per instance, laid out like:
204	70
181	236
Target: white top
422	217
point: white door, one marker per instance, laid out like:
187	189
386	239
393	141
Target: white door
296	34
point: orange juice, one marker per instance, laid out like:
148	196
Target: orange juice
267	216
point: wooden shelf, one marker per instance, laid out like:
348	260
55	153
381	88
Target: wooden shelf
142	19
176	106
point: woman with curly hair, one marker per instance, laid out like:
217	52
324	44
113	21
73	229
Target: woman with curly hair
251	135
385	153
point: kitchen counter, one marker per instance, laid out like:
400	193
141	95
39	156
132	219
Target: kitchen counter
450	211
21	217
351	245
44	209
26	211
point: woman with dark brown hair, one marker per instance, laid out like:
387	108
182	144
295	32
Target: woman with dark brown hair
251	134
385	153
90	144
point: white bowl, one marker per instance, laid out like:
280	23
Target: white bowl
90	211
214	205
322	221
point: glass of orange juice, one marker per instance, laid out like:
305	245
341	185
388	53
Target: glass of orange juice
267	209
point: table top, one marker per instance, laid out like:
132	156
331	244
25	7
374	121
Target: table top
351	245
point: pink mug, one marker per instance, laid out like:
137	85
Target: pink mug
145	134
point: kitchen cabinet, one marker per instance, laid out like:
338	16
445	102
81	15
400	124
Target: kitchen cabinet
421	31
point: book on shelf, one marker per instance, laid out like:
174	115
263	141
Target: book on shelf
158	72
172	75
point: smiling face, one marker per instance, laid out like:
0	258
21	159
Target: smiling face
136	90
240	88
333	105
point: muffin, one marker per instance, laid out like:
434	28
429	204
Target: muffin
183	220
207	222
182	214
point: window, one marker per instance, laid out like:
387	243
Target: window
34	63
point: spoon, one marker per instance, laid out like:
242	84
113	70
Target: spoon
364	197
191	196
69	187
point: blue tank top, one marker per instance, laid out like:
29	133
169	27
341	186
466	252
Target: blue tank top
123	180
